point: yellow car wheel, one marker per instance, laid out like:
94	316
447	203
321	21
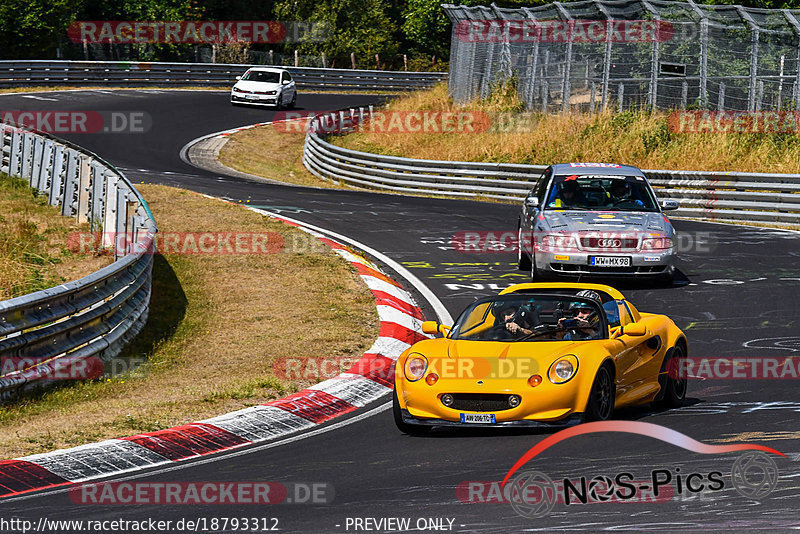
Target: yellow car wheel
601	399
674	386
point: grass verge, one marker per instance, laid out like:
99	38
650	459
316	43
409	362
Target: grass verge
217	325
272	153
33	242
639	138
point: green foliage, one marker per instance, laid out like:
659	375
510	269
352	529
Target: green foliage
29	28
621	122
426	27
659	137
361	27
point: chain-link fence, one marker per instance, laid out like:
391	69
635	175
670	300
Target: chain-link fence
624	54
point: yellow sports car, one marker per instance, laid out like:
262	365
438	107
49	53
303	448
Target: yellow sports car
540	354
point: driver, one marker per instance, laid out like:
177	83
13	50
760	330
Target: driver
620	193
569	194
508	317
585	316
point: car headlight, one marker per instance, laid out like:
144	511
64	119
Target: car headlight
656	243
236	90
416	365
563	369
559	242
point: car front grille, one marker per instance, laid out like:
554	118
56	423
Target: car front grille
480	402
612	243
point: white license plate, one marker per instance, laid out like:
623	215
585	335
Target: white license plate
252	97
610	261
477	418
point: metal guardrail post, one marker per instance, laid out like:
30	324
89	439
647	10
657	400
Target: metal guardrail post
84	170
70	183
56	180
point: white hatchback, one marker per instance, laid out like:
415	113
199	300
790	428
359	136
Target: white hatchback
262	86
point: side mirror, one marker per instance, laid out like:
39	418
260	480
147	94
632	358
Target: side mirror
669	205
532	202
633	329
238	78
285	82
434	327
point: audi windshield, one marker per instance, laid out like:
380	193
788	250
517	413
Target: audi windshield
601	192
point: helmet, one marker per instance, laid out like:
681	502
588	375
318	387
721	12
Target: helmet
586	294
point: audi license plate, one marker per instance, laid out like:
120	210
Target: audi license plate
610	261
477	418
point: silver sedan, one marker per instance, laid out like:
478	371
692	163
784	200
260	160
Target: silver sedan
598	219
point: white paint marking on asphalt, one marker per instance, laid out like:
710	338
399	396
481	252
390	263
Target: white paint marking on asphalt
40	98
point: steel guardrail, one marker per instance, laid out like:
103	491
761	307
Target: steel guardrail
726	196
54	332
15	73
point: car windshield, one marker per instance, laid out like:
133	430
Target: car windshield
531	317
601	192
262	76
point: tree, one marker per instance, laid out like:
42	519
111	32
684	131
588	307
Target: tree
32	28
361	27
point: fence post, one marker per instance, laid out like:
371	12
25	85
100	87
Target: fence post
545	94
704	63
721	101
759	95
593	95
606	56
684	93
621	93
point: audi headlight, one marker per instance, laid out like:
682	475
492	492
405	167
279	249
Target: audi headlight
416	365
563	369
656	243
559	242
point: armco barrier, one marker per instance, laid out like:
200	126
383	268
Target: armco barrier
128	73
731	196
56	330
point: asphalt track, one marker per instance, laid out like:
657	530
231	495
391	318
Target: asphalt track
738	296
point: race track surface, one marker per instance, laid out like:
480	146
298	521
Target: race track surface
738	296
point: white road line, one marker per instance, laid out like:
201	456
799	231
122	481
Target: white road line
40	98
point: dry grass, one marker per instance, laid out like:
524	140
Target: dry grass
216	324
272	153
33	243
642	139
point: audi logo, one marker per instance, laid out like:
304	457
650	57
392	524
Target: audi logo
609	243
